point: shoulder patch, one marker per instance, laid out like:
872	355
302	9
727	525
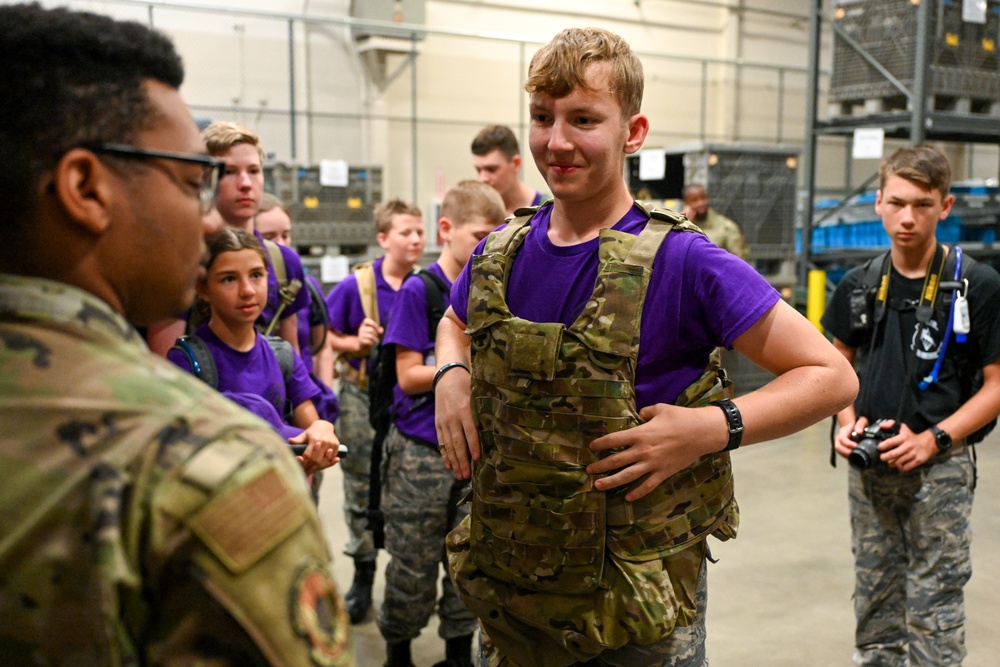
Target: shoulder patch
245	523
319	616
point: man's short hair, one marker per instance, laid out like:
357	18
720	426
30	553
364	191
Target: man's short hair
924	165
70	79
496	138
691	188
561	65
222	135
385	211
470	198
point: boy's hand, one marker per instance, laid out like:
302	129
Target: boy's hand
369	333
670	439
322	448
456	431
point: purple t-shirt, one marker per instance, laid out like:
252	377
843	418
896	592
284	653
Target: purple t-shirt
344	304
293	268
408	327
699	297
255	371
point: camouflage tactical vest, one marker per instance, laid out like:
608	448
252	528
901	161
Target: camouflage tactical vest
542	392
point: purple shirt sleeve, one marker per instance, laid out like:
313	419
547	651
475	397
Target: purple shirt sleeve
408	328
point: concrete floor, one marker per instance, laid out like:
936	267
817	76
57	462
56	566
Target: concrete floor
780	595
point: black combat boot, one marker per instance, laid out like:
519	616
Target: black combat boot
457	652
398	654
359	598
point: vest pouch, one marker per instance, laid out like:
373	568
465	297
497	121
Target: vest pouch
650	528
523	533
533	349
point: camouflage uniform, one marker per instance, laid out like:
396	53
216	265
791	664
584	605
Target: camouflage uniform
558	572
144	519
354	430
421	504
724	233
928	509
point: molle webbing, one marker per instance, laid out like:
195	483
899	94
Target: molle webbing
542	393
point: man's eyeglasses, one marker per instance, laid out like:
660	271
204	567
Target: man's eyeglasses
213	169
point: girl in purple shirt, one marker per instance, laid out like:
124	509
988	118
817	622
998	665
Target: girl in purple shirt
234	290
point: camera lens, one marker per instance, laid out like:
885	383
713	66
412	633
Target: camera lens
865	455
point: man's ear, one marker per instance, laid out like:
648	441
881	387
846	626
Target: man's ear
516	160
85	189
638	128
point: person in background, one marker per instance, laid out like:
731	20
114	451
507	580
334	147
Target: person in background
420	497
274	224
233	292
935	386
596	431
359	306
497	159
122	477
719	229
240	192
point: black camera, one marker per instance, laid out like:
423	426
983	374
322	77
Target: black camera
866	454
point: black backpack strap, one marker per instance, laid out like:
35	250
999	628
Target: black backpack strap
319	314
201	359
436	288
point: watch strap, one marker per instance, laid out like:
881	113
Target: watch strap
734	421
941	438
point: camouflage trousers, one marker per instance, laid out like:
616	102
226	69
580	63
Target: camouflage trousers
911	540
420	498
354	431
685	647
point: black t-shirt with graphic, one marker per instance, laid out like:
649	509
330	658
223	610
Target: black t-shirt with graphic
905	351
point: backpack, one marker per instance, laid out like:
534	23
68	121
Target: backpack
868	285
382	359
287	289
203	363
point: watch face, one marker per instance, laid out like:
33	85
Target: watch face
942	439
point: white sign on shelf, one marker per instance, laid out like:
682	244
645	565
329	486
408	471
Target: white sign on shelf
974	11
652	164
333	173
868	143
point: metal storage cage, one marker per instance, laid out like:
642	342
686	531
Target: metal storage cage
964	74
755	186
337	218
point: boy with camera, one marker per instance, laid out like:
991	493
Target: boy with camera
922	321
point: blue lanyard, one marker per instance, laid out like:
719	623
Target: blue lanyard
933	376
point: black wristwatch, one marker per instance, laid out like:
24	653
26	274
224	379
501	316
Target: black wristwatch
942	438
735	422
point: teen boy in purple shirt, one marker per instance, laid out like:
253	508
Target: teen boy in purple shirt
639	606
420	497
400	232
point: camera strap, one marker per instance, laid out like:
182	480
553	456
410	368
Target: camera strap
924	311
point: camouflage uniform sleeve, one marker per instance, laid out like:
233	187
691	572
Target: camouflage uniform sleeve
738	243
239	566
